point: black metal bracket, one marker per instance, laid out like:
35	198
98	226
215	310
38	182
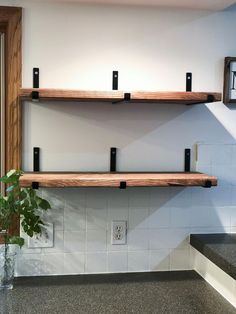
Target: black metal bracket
113	159
127	97
35	185
35	77
36	165
187	160
122	185
115	77
35	96
208	184
36	158
210	98
188	82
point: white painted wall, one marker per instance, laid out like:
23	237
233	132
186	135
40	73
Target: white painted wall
78	46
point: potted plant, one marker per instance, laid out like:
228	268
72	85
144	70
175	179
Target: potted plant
25	204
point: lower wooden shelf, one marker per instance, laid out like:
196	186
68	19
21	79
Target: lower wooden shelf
188	98
117	179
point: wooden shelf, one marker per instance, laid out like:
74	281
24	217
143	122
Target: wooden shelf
118	96
107	179
72	95
188	98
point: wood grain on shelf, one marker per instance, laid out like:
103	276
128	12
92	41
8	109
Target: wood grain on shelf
72	95
174	97
107	179
110	96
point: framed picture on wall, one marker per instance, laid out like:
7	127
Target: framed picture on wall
229	96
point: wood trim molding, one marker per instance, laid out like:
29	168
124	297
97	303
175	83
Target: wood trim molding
11	26
11	18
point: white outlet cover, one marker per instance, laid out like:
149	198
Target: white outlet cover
43	240
118	232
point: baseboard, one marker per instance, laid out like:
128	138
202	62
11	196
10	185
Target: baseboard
215	276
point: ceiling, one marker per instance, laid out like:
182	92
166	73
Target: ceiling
190	4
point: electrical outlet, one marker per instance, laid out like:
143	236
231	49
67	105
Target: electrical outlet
45	239
118	232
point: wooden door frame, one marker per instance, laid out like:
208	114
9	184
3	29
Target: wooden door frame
11	26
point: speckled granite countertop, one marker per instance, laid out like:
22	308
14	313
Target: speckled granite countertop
220	248
166	292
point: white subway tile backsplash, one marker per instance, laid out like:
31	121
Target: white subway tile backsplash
159	217
232	176
202	167
159	238
118	199
58	243
199	216
159	197
180	217
96	205
96	240
204	154
159	260
52	264
220	196
74	241
74	263
215	196
138	239
178	238
233	216
138	218
117	214
233	196
139	198
28	265
96	262
138	261
168	238
220	216
221	154
74	219
74	197
96	208
233	155
117	262
96	218
180	197
223	174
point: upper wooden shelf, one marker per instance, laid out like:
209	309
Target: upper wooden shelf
108	179
117	96
72	95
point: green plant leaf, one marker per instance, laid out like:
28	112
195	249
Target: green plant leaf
44	204
23	202
16	240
